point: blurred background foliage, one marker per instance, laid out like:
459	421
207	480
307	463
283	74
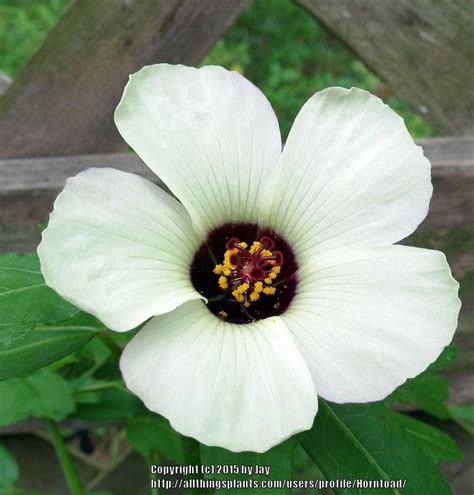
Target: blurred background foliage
275	43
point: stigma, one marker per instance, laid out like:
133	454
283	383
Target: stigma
247	273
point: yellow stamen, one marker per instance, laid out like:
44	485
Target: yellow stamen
254	296
251	290
241	289
218	269
227	256
255	245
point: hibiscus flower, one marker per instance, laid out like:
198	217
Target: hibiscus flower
272	278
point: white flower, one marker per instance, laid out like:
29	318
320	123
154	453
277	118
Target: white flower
357	318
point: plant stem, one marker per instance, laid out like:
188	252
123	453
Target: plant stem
191	451
192	457
114	348
100	386
69	470
91	370
155	458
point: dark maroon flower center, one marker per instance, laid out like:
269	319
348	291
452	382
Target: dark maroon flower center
245	272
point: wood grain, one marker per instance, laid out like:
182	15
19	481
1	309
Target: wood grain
423	50
63	100
5	82
28	187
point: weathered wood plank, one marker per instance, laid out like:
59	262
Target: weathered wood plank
5	82
28	187
453	181
62	102
422	49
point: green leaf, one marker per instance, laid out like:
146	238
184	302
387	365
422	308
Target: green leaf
95	352
279	459
428	392
8	469
112	404
154	434
25	300
365	441
46	344
436	444
449	354
43	394
464	416
19	491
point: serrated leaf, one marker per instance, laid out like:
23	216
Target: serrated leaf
25	300
43	394
8	469
279	459
46	344
436	444
154	433
364	441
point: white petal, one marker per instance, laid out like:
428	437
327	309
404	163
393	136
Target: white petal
210	134
349	174
119	247
366	319
241	387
